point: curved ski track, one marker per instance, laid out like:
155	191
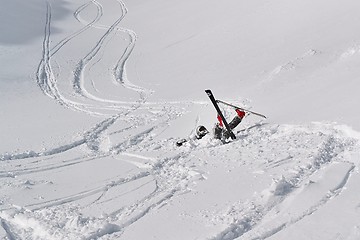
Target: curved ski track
45	75
48	82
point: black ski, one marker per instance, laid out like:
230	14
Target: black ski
181	142
236	107
212	98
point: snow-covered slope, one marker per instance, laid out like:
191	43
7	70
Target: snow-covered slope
94	95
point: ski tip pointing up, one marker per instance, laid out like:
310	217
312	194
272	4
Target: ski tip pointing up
213	100
208	92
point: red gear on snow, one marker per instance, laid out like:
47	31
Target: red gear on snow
240	113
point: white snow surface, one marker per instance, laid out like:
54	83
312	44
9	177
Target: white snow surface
95	93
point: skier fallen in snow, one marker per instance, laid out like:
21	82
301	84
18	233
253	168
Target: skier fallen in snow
219	131
222	129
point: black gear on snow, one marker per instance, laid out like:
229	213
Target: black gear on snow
218	131
236	121
201	131
221	133
181	142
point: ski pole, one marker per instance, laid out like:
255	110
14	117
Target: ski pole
246	110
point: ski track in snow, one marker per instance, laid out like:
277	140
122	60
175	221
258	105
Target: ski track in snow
331	151
173	175
45	75
328	197
48	82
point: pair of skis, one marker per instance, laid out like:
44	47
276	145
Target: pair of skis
215	103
